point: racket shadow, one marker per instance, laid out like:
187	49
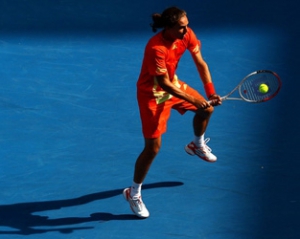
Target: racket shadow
20	216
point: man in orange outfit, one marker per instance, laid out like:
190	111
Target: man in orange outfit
159	90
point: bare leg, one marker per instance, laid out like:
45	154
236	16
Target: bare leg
146	158
201	120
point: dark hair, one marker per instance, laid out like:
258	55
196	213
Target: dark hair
168	18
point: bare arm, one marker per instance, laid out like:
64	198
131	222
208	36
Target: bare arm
202	68
205	75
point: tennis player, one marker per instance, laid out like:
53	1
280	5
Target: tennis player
159	90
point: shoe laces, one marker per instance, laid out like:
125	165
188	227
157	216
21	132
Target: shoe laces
138	203
205	146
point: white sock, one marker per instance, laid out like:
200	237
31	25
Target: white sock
199	141
135	191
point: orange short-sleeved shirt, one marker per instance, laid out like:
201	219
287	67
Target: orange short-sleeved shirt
161	57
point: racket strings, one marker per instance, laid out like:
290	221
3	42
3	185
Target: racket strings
249	90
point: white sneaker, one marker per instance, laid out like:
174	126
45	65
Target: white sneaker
202	152
137	206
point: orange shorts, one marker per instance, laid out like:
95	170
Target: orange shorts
155	116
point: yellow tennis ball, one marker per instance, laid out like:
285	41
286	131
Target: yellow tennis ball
263	88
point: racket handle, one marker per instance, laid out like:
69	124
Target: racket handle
212	102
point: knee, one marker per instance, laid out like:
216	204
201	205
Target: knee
210	110
152	149
205	113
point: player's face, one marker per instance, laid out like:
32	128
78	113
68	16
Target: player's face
179	30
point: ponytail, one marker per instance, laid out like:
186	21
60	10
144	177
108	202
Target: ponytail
157	22
168	18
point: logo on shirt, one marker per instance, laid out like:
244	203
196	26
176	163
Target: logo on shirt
196	49
161	70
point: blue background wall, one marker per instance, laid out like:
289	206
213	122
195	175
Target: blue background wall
70	129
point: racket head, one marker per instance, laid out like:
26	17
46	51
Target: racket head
249	89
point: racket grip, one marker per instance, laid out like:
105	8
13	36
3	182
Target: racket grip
214	102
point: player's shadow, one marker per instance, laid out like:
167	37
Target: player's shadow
20	216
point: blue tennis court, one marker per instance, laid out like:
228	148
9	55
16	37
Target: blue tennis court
70	126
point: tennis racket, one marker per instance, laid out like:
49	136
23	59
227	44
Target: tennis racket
249	87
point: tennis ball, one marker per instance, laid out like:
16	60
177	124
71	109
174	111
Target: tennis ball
263	88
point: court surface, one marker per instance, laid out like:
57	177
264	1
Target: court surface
70	127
